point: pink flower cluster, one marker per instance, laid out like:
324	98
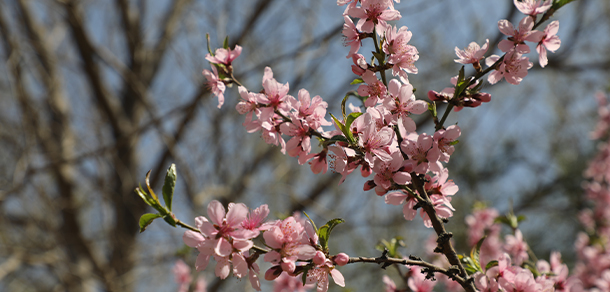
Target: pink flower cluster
514	65
227	237
182	276
593	266
274	112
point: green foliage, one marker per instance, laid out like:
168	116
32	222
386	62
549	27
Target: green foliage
146	219
324	232
391	246
169	185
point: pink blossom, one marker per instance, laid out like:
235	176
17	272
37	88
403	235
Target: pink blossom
504	269
533	7
516	246
555	271
418	282
248	106
374	142
513	67
342	162
548	41
388	284
287	283
256	218
401	54
182	275
300	143
373	14
374	89
484	283
310	109
517	38
400	198
441	205
352	36
289	242
360	64
389	172
444	139
522	282
471	54
402	104
422	152
341	259
215	84
224	56
320	275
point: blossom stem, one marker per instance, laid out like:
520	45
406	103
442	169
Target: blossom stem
184	225
386	261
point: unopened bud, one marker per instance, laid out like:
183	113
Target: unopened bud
341	259
319	258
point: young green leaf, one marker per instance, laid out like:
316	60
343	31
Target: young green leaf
169	185
491	265
226	43
357	81
324	232
146	219
475	254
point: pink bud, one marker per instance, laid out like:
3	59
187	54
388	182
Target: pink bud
288	266
341	259
273	273
319	258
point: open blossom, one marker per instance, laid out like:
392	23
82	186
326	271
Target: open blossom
224	56
471	54
320	275
513	68
374	142
215	84
517	38
400	198
516	247
287	283
289	242
373	14
388	172
422	152
374	89
444	139
533	7
223	238
548	41
310	109
256	219
402	104
352	36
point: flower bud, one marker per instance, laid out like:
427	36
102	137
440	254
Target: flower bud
341	259
319	258
288	266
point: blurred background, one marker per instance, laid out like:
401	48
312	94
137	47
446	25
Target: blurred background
93	94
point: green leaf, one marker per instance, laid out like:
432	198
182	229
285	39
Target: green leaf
491	265
357	81
207	37
144	196
351	118
146	219
170	219
169	185
432	108
226	43
337	138
304	278
324	232
346	131
454	142
460	75
521	218
475	254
